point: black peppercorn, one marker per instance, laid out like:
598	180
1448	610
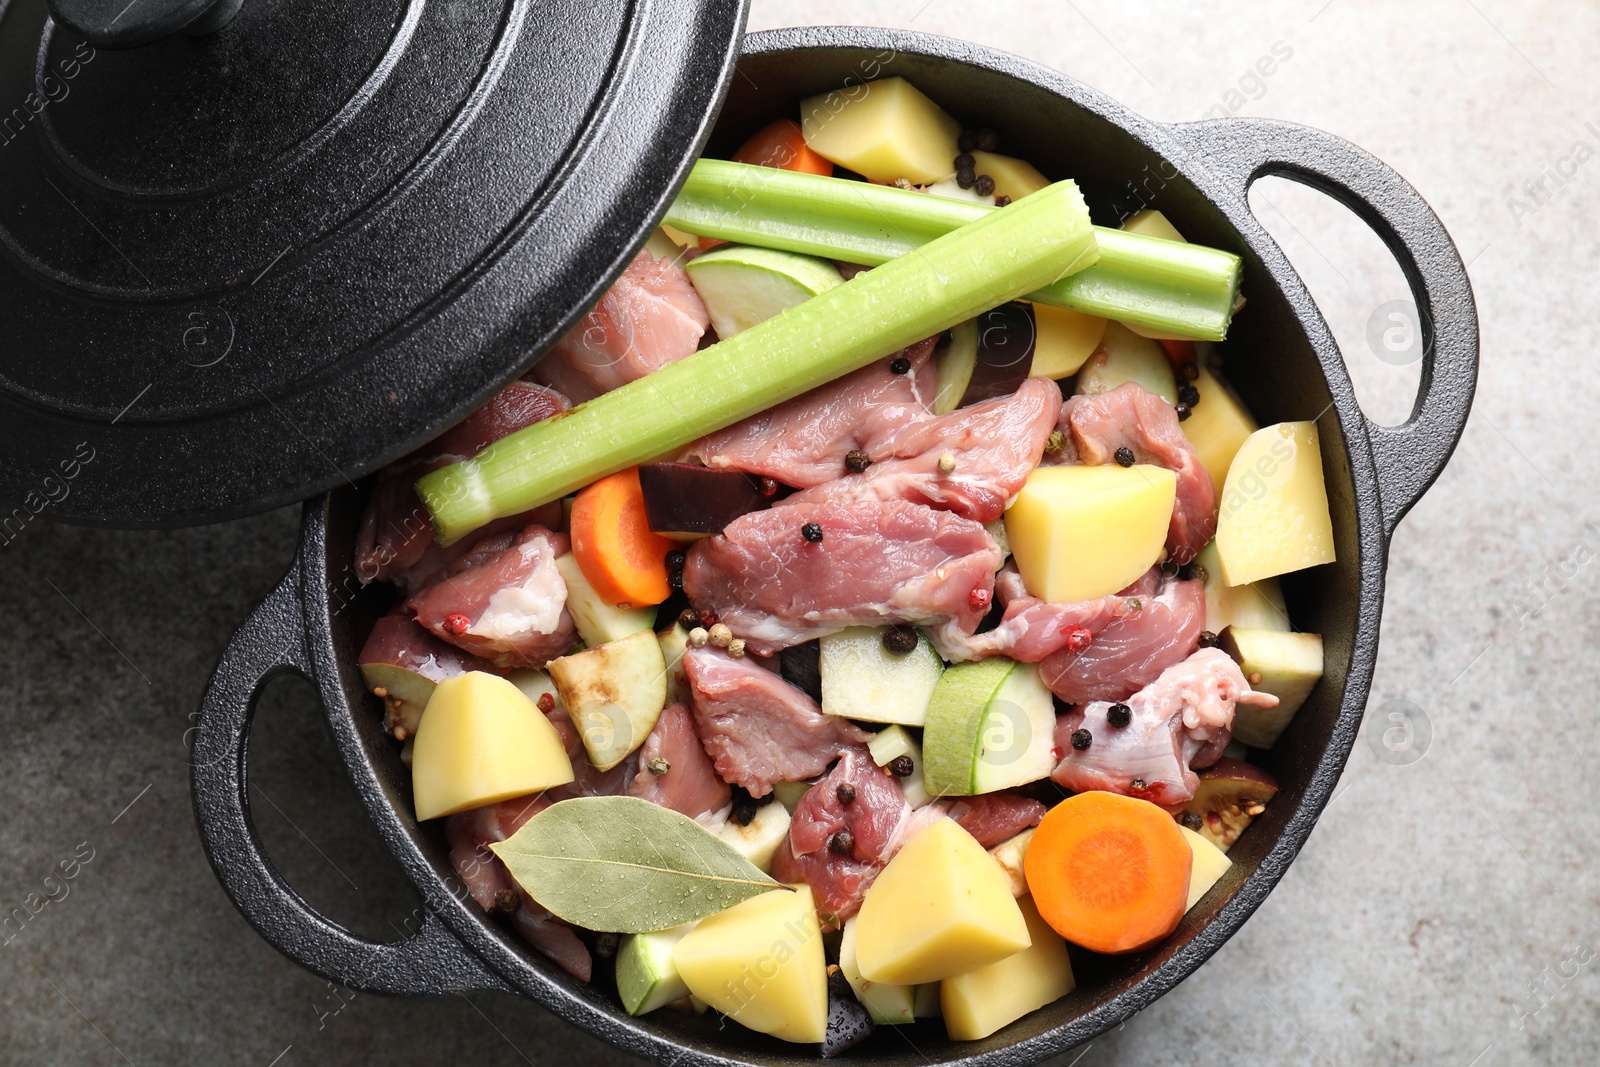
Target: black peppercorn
984	185
846	793
988	140
1183	411
1082	739
812	531
1192	821
1188	394
901	766
507	901
900	365
1188	370
966	179
675	581
1001	201
1119	715
1125	456
744	808
688	618
605	945
843	842
676	559
965	161
1208	639
856	461
900	639
967	141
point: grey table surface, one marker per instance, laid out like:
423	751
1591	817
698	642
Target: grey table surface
1445	909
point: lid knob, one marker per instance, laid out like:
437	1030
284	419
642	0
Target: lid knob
131	23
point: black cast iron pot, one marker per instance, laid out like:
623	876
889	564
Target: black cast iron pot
1283	360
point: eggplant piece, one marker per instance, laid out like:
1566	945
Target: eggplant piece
1005	352
801	667
401	662
1231	793
848	1022
685	501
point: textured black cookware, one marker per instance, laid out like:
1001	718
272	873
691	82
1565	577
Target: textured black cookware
249	265
1280	354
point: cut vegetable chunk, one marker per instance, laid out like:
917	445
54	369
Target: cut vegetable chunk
1230	794
1256	605
647	978
1151	223
761	964
861	679
991	725
1274	508
1013	178
782	144
1011	854
623	559
890	1005
742	286
1080	532
955	359
1109	872
954	277
1209	864
614	693
1124	356
941	907
1064	339
882	130
758	841
597	620
482	741
888	745
1287	665
685	501
1218	426
978	1003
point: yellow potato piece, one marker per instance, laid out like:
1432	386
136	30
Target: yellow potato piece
1081	532
1015	178
1063	340
942	907
882	130
1152	223
1273	513
1210	864
1217	426
761	964
482	741
978	1003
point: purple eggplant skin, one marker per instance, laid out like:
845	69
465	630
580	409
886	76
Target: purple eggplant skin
684	498
848	1022
801	667
1005	352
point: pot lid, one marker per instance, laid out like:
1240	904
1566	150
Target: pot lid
249	251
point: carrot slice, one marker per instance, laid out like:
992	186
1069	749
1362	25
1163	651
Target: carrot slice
613	544
1178	350
1109	872
781	144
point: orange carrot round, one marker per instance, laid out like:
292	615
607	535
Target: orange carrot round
781	144
1109	872
1178	350
613	544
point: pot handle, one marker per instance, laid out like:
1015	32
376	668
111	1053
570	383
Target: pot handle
1410	456
272	642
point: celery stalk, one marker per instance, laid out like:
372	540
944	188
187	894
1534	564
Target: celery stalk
1170	286
945	281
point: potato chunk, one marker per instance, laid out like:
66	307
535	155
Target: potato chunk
978	1003
1273	515
1210	864
1218	426
1063	340
481	741
1015	178
1081	532
942	907
882	130
761	964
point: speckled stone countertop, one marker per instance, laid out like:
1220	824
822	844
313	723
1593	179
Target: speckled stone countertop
1445	910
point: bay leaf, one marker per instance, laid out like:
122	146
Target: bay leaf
625	865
